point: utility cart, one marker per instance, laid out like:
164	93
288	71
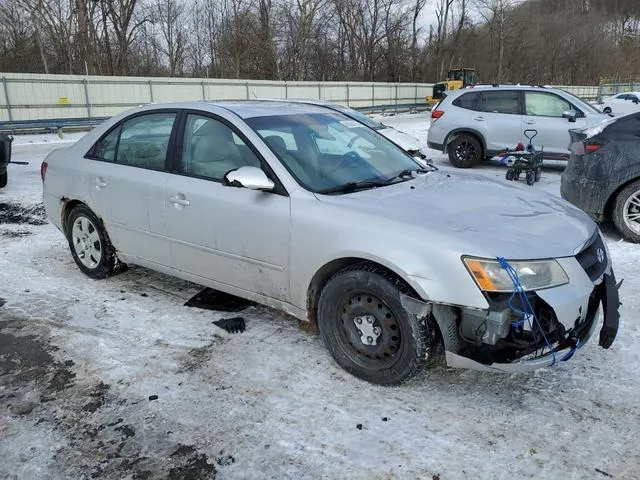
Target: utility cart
525	160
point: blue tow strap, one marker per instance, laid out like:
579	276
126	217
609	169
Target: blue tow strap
528	315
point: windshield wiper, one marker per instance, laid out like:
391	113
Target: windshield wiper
407	172
353	186
364	184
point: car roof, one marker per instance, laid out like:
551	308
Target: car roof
484	88
243	108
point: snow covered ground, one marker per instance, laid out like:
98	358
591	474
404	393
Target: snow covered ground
81	362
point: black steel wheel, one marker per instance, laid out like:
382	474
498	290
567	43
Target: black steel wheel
365	327
510	175
465	151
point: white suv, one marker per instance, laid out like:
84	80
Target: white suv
472	124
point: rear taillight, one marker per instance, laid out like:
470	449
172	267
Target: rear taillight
435	114
580	148
43	170
591	147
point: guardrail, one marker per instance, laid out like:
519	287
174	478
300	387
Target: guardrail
59	125
53	125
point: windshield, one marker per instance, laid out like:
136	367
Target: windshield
362	118
581	103
325	151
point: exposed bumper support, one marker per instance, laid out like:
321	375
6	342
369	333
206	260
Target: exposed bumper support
609	298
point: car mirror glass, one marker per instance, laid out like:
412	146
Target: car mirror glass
252	178
570	115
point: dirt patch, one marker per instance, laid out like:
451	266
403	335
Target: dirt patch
107	436
191	465
17	214
98	397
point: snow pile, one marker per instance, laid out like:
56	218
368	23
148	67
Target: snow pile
270	402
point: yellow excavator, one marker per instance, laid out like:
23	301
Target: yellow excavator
456	78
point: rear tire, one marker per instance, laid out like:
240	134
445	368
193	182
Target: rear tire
626	212
89	243
465	151
367	330
4	177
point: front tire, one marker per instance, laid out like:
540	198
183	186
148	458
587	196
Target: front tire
626	212
366	329
89	243
465	151
4	177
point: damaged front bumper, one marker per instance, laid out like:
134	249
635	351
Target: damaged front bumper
603	297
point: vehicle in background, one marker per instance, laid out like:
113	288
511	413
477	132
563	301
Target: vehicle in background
5	158
603	174
474	124
403	140
622	103
278	203
456	78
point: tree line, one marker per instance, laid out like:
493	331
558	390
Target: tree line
534	41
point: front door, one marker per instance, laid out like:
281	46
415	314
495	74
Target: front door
543	113
232	236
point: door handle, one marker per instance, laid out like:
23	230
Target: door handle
530	122
479	119
179	200
100	183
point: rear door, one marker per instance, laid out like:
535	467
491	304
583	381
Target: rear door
498	117
544	114
232	236
128	179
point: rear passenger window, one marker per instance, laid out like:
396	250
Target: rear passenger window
105	149
468	101
500	102
144	140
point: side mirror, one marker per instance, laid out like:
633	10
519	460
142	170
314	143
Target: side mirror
570	115
252	178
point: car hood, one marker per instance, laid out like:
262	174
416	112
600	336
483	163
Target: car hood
404	141
476	215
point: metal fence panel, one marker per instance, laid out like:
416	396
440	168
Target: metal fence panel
37	97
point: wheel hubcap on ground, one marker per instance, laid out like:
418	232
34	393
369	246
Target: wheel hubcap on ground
632	212
370	330
86	242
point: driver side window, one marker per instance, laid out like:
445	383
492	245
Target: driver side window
541	104
211	149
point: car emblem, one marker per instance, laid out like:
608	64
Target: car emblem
600	255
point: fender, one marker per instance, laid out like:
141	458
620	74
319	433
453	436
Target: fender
454	133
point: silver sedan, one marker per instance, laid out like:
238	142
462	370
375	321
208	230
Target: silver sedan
305	210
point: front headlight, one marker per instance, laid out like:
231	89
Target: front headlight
533	274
